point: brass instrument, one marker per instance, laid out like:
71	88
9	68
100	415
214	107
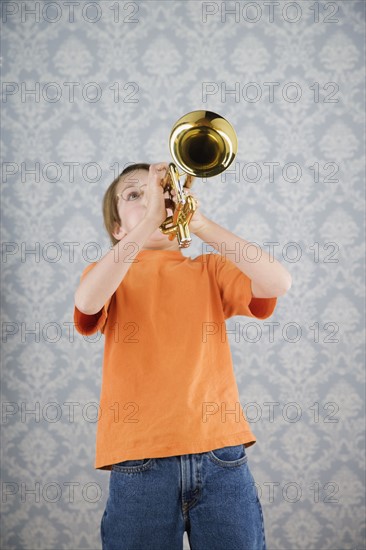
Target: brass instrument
202	144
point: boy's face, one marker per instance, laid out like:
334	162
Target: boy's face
132	209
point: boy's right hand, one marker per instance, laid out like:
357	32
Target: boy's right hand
157	201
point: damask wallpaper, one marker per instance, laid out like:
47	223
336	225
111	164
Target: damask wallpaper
88	87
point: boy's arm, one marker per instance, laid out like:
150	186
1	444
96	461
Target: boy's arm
103	280
100	283
269	278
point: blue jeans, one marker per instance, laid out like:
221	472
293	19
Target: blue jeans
210	495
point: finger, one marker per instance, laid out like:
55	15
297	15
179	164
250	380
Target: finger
158	171
189	192
159	167
161	174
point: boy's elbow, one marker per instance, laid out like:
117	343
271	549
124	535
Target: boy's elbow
289	283
287	286
82	306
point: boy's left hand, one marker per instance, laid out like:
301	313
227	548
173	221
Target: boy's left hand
198	220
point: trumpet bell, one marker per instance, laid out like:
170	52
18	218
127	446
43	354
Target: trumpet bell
203	143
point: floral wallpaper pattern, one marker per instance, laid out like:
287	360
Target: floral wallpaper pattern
88	87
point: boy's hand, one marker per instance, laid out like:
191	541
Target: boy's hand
157	201
198	220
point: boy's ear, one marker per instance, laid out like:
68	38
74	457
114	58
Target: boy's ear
119	232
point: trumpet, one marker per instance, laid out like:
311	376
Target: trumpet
202	144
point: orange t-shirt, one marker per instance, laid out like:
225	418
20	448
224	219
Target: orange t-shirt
168	384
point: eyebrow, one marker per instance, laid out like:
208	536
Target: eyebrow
131	179
126	186
131	185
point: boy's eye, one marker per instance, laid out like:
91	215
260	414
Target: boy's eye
133	195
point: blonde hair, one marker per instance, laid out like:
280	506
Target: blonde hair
110	210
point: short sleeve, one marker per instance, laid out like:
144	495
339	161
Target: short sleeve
236	292
89	324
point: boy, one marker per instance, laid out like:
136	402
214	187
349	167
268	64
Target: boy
168	387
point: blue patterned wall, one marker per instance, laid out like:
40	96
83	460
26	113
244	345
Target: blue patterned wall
109	80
